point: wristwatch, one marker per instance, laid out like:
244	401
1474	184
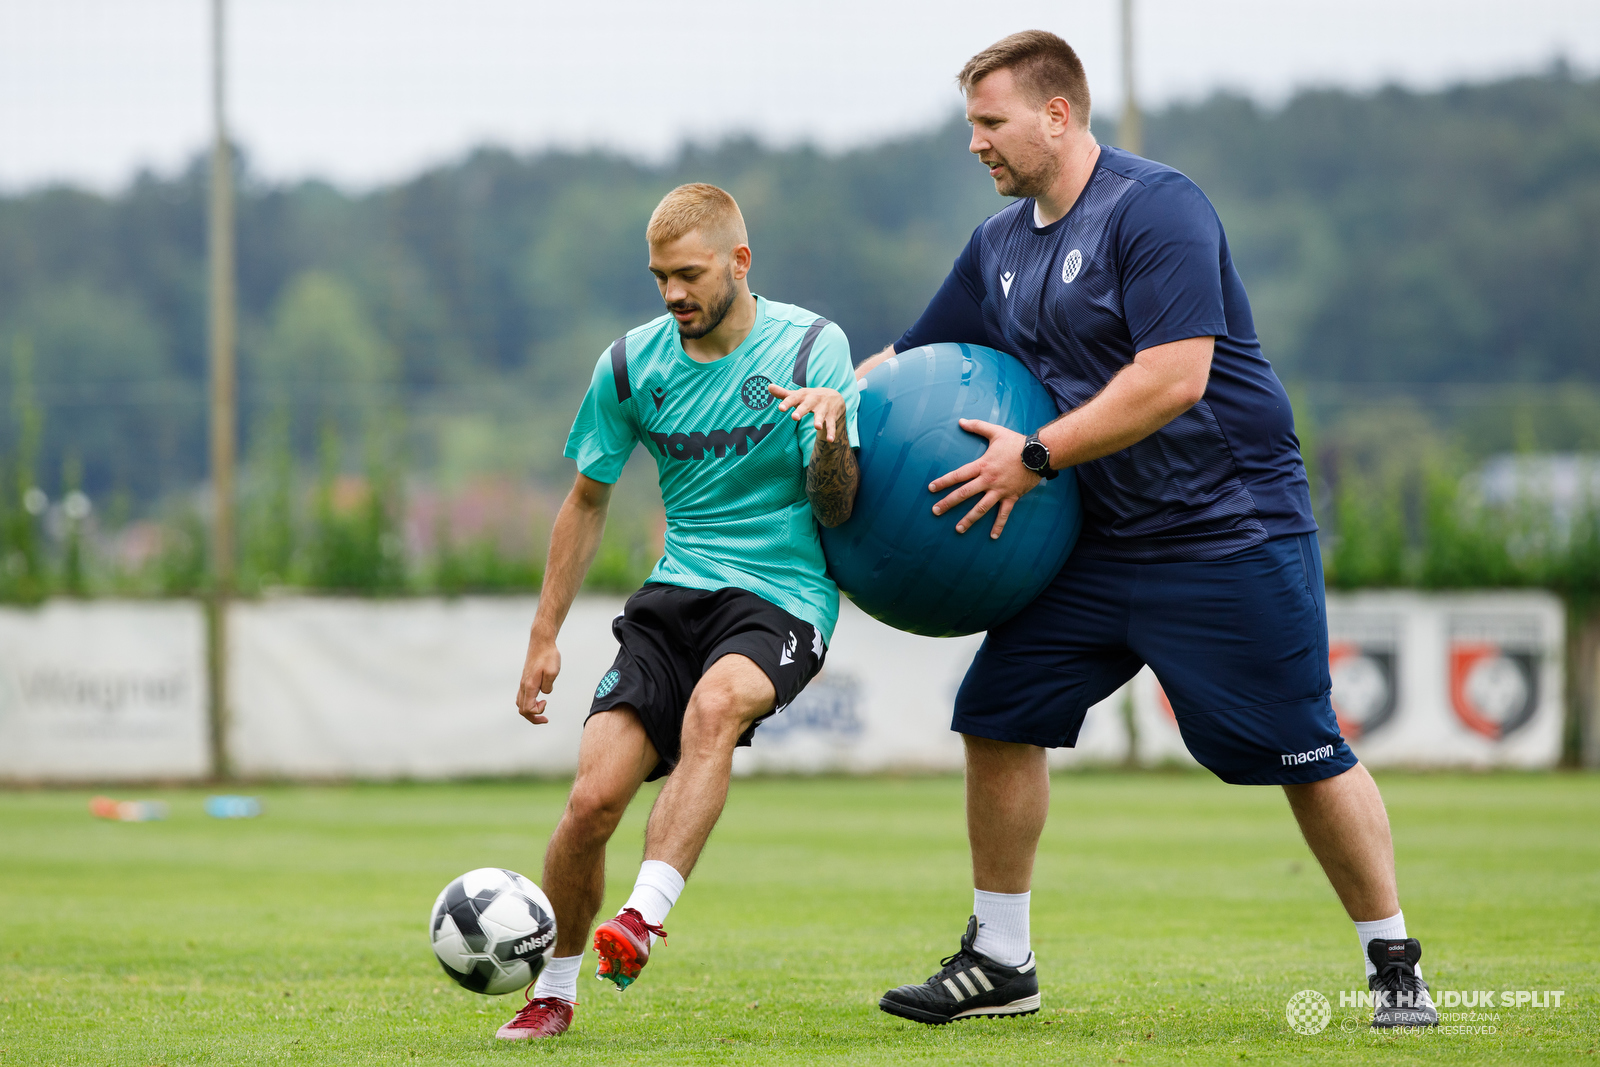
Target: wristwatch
1036	457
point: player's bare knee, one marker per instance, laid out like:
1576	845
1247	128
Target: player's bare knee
716	716
714	723
594	811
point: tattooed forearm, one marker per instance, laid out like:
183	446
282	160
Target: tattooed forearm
832	478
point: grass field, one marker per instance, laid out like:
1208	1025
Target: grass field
1173	917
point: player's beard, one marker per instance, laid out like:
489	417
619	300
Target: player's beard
1033	172
715	311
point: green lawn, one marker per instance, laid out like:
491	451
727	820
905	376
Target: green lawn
1173	917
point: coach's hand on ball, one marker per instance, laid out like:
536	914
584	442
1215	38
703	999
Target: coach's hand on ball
539	672
828	404
998	474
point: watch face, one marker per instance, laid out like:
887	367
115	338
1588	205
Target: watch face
1035	455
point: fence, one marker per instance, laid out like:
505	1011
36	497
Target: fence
354	688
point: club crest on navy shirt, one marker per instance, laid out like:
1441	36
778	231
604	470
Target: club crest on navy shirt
1071	265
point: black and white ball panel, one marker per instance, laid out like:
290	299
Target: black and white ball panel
492	930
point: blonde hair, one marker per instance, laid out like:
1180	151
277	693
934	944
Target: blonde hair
702	207
1044	65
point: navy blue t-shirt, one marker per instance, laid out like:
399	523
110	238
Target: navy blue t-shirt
1139	260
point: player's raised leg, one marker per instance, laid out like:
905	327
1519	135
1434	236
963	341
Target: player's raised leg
1345	824
731	696
614	757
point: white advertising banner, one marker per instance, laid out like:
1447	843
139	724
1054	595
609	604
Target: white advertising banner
334	688
330	688
102	691
348	688
1449	680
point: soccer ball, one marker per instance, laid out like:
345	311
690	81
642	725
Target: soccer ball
492	930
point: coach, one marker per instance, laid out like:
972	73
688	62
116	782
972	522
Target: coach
1110	279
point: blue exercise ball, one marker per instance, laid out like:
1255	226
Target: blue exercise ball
895	558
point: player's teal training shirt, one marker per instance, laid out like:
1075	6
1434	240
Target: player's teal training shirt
732	466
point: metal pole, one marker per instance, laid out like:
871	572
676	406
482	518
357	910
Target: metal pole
1130	131
223	399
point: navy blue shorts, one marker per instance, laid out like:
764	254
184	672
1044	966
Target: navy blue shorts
1240	646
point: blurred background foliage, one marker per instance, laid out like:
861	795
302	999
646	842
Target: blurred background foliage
1421	267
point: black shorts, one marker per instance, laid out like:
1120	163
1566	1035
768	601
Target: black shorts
670	637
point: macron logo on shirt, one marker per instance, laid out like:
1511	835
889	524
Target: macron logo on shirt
1005	281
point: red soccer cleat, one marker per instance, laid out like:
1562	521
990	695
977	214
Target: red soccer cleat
623	945
540	1017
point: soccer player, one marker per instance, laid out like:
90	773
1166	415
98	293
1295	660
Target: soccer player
748	408
1110	279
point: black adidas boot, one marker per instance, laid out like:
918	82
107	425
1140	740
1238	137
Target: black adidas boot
968	985
1399	995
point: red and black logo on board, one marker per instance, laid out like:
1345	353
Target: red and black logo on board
1364	666
1494	673
1365	686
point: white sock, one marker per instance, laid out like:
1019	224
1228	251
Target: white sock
559	978
655	892
1002	926
1391	929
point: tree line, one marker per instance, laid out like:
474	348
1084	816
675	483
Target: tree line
1386	237
1420	265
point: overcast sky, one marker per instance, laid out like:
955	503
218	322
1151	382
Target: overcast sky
363	91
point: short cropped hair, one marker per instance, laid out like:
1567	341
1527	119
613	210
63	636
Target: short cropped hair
698	206
1044	65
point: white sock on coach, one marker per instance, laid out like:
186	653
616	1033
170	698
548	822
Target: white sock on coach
1002	926
656	891
1391	929
559	978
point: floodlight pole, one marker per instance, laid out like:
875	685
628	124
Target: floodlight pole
1130	136
223	401
1130	131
